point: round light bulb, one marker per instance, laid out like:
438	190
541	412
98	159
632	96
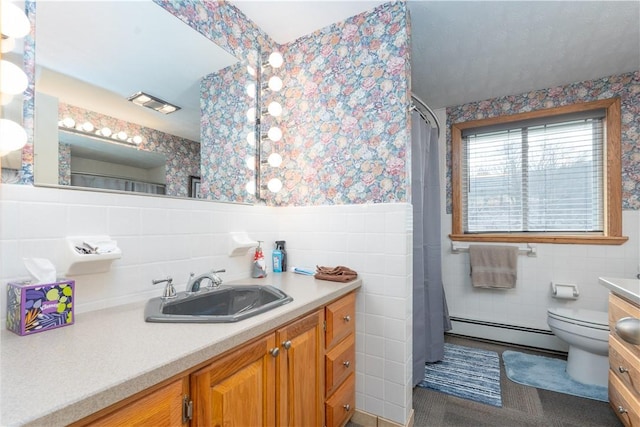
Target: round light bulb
14	22
68	122
275	109
274	185
274	134
250	161
251	139
12	136
137	139
87	127
105	131
275	83
14	81
274	160
251	187
251	114
122	135
276	60
7	45
251	90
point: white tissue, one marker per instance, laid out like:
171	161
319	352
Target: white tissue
41	269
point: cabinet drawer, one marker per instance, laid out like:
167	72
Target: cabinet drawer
341	319
618	309
625	366
341	405
623	404
340	363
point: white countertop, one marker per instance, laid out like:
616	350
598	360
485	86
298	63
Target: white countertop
627	288
60	376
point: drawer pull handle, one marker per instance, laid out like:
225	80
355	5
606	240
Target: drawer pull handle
286	344
628	328
347	318
347	407
622	369
274	351
346	364
621	410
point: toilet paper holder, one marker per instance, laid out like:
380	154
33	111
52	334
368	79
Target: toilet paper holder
564	290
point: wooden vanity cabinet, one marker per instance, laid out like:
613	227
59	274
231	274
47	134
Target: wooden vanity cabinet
340	364
159	407
624	364
274	380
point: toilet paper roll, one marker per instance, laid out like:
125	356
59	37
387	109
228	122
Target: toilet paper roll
564	291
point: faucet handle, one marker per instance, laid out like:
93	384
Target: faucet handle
169	289
215	279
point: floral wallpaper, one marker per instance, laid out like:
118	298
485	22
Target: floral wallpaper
626	86
183	155
346	93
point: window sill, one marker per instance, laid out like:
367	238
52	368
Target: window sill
528	238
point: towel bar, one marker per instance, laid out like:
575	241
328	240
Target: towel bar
530	250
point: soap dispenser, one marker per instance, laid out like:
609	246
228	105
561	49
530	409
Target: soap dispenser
259	267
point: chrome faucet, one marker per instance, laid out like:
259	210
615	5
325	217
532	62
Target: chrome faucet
193	285
169	289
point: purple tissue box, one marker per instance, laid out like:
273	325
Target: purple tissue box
42	307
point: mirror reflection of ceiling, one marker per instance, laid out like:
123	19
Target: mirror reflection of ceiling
117	48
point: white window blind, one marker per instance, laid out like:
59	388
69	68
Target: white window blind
543	175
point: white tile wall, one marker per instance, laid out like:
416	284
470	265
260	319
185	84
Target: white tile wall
161	237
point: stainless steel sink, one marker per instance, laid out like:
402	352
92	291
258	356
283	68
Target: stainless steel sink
224	304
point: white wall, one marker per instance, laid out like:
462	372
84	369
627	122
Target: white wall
165	236
526	305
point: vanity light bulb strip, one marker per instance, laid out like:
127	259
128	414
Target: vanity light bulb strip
89	129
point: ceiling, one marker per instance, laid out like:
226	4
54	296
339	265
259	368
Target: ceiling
464	51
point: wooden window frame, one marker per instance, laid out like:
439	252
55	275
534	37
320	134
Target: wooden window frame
612	234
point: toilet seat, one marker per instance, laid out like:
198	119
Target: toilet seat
582	317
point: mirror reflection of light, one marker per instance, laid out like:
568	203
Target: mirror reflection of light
274	134
251	139
251	90
13	21
87	127
105	131
274	185
250	161
122	135
14	81
251	187
12	136
137	139
275	160
275	83
68	122
251	114
7	45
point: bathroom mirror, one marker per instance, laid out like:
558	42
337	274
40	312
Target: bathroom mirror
94	55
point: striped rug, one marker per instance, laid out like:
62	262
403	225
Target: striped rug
466	372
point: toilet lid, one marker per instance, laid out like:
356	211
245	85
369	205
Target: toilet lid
581	316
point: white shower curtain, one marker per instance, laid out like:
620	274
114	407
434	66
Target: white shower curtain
430	314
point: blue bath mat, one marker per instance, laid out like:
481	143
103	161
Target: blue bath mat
549	374
466	372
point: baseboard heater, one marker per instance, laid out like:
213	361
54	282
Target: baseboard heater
509	334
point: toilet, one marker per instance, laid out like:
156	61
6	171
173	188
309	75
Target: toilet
587	333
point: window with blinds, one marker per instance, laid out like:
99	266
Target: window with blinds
546	176
542	175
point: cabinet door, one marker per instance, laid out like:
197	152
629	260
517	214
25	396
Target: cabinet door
162	407
237	390
300	373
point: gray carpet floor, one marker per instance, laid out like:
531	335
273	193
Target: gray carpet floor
521	405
